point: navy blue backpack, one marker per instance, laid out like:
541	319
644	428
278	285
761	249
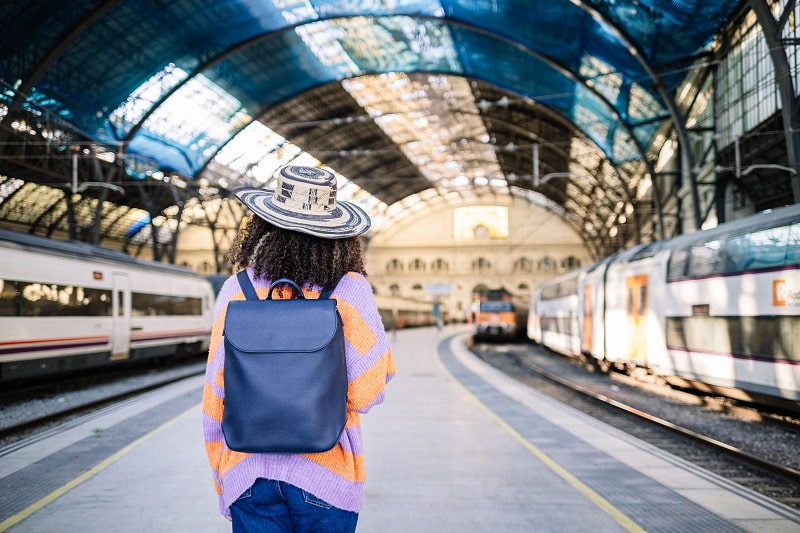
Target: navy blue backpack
285	372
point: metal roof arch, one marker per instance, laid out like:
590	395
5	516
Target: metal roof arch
561	69
65	54
447	11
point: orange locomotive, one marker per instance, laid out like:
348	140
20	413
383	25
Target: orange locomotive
496	315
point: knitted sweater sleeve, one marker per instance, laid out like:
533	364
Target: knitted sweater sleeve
370	364
213	386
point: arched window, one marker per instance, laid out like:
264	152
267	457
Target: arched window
480	289
481	265
417	287
523	287
394	266
546	264
570	262
417	265
394	288
523	264
439	265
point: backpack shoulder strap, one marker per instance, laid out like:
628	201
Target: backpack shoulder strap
247	285
327	294
250	292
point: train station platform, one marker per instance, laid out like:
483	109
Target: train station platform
456	447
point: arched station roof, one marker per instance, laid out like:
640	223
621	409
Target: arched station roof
173	104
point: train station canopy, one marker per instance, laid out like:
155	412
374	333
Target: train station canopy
411	102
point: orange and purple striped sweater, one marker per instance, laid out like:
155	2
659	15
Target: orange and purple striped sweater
336	476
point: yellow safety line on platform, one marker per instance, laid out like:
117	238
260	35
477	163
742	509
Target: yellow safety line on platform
96	469
562	472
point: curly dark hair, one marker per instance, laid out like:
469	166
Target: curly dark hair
279	253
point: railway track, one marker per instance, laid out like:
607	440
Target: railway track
732	451
55	406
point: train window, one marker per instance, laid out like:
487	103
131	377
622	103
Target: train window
768	248
144	304
565	288
677	264
793	248
33	299
735	253
496	306
549	292
704	259
760	337
642	299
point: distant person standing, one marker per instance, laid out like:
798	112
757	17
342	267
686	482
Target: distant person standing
437	314
393	324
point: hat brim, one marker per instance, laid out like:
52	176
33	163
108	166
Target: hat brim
346	220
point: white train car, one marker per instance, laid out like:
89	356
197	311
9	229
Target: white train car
66	306
534	326
404	312
731	306
555	316
592	300
633	312
715	309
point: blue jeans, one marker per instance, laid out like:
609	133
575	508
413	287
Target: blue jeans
276	506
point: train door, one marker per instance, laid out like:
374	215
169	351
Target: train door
636	310
534	327
588	306
121	334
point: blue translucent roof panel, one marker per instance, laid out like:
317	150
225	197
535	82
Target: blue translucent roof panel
592	61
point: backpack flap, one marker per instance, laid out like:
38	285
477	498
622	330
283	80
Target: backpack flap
281	325
285	376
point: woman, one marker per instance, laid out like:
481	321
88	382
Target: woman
300	232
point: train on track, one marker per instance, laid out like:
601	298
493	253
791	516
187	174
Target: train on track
500	315
67	306
717	310
395	311
404	313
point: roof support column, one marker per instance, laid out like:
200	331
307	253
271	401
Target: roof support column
783	77
678	120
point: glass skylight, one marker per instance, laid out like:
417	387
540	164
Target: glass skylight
434	121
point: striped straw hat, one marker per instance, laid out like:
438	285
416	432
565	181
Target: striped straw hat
304	200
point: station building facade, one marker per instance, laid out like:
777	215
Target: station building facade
450	254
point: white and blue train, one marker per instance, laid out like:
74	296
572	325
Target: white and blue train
717	309
68	306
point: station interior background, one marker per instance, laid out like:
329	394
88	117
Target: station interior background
493	143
